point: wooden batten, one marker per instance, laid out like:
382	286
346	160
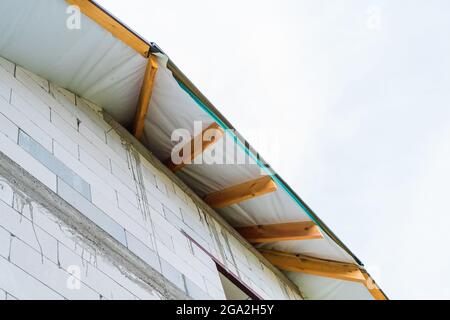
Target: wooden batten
144	97
241	192
304	230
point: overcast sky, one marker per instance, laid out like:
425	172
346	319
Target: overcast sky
348	100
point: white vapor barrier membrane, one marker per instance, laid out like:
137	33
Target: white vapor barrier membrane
321	288
324	248
232	166
88	61
268	209
172	108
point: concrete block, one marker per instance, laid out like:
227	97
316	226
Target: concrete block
205	259
6	192
168	209
70	176
140	229
98	176
162	223
128	190
5	92
7	65
95	151
90	175
190	203
214	291
91	124
200	235
125	176
91	114
92	277
174	219
8	128
195	291
54	164
192	219
149	177
55	228
23	228
164	237
114	141
143	251
200	268
129	208
21	120
179	193
10	297
60	105
98	138
140	215
66	239
22	285
3	294
182	247
156	198
5	238
87	106
134	285
41	118
180	263
23	91
172	274
29	108
41	82
102	169
63	96
239	251
48	272
175	204
91	212
155	203
38	126
27	162
161	184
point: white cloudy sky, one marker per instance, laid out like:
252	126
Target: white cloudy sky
354	98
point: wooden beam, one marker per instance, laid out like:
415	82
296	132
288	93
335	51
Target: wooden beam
144	97
197	145
110	24
305	230
314	266
373	288
323	268
241	192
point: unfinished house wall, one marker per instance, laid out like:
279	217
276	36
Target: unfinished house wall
84	214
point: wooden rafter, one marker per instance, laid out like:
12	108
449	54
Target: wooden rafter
373	288
110	24
304	230
318	267
197	145
144	97
241	192
323	268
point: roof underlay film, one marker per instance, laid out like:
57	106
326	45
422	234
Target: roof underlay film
102	67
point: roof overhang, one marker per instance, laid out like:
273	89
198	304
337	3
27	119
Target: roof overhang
134	81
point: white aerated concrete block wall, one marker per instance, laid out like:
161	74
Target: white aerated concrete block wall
63	141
